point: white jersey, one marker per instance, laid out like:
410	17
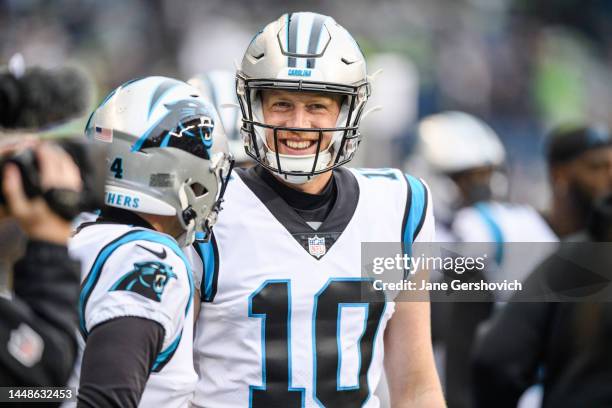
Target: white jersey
287	319
132	271
501	222
503	225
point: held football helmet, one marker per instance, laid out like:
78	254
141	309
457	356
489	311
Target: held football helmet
303	52
167	155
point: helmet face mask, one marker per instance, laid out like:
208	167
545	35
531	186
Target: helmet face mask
166	157
334	66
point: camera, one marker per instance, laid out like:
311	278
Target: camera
39	98
88	157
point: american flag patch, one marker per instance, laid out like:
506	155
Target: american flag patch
103	134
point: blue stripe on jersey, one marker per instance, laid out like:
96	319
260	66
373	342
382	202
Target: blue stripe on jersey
206	251
485	212
94	274
165	355
416	213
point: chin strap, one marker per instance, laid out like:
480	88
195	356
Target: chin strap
297	163
296	179
214	212
188	236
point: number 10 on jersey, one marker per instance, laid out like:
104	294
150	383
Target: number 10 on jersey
272	304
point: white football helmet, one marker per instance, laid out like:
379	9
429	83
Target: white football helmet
166	153
452	142
303	52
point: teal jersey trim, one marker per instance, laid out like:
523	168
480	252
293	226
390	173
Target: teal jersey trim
165	355
206	251
415	214
484	210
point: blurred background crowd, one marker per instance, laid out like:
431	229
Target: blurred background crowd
521	66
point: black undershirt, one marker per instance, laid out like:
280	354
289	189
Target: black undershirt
117	362
311	207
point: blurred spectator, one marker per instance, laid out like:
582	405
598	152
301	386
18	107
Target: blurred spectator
465	161
565	346
37	328
580	169
517	64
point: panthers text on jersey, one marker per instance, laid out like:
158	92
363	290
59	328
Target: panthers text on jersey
286	319
132	271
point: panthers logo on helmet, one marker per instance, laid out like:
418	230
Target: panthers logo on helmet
187	125
148	279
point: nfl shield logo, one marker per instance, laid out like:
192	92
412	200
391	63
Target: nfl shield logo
316	246
25	345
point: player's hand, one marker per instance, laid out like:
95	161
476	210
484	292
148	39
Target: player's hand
57	170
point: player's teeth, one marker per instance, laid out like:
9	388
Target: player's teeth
294	144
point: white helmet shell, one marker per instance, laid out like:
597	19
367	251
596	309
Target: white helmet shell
452	142
166	154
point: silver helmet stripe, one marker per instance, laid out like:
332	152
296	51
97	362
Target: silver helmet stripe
315	39
304	24
291	39
304	37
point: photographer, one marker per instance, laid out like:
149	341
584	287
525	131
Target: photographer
37	328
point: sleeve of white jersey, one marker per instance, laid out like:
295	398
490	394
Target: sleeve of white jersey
428	230
142	279
197	267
